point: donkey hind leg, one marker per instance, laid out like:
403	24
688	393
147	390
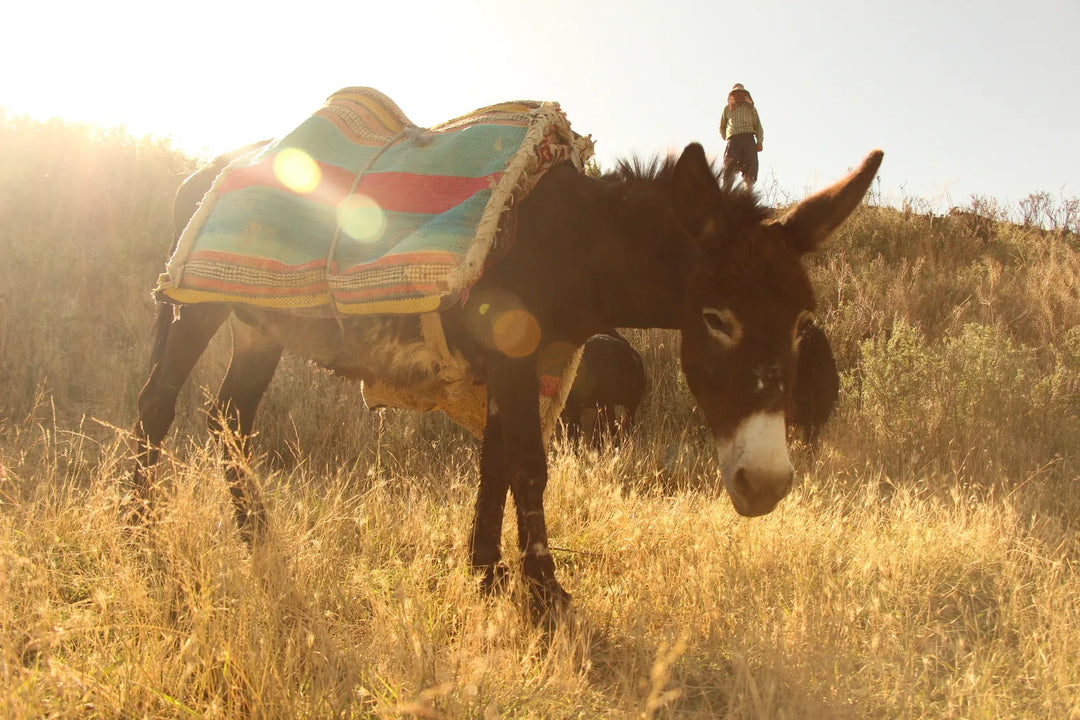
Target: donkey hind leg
514	424
254	359
180	342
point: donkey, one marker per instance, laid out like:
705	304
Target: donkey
817	383
666	248
611	382
607	390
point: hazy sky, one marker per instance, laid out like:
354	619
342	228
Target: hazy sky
966	98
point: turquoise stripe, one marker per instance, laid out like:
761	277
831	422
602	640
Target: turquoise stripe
268	223
295	231
451	231
472	152
353	251
275	224
321	139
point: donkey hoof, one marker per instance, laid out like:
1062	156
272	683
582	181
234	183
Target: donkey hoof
495	579
548	600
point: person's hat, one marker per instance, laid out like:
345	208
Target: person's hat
737	88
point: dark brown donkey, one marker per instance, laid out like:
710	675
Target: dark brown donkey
607	390
658	249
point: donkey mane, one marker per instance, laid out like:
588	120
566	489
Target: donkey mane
658	167
738	204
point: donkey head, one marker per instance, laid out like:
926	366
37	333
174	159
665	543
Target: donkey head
746	300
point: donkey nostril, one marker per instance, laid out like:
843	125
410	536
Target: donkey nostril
741	484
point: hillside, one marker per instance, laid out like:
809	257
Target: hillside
925	566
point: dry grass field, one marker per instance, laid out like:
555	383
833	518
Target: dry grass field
927	565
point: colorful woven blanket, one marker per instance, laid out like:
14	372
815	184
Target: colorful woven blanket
358	211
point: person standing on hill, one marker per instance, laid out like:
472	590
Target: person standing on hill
740	126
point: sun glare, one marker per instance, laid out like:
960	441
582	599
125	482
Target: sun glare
297	170
516	333
500	321
361	218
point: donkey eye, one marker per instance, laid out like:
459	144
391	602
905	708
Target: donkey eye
722	325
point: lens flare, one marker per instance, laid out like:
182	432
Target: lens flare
361	218
497	319
297	170
516	333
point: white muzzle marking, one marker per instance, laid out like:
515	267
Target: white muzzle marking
756	469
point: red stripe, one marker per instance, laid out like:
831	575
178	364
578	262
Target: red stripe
550	385
436	258
426	194
393	191
333	187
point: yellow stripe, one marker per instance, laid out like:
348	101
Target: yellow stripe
391	307
406	306
390	121
373	106
510	107
192	297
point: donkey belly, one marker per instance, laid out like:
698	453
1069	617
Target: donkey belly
388	354
379	348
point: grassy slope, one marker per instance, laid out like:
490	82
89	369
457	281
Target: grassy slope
925	566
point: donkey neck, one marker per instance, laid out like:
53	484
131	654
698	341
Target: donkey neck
594	253
643	255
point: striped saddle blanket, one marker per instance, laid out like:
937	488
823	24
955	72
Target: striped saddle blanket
358	211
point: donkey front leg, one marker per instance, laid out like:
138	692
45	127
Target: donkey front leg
513	437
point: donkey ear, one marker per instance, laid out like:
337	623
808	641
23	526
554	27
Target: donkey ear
693	189
813	220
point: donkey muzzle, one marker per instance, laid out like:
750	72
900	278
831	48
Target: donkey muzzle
757	471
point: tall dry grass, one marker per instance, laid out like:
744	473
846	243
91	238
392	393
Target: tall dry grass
924	567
